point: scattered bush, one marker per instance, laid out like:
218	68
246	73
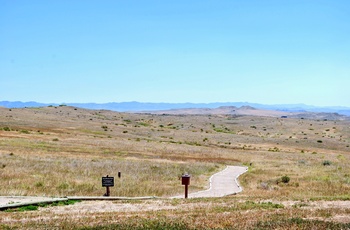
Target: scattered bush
144	124
285	179
39	184
326	163
275	149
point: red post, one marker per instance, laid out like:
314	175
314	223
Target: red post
186	182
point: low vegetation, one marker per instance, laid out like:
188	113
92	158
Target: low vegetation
64	151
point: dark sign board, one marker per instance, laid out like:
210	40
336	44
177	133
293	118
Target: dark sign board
107	181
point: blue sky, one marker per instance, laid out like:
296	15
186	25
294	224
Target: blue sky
261	51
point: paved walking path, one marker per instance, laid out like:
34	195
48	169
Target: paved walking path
222	183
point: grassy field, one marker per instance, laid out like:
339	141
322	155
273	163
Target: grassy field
64	151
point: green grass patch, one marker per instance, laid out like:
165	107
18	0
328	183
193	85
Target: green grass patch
35	207
23	208
143	124
25	131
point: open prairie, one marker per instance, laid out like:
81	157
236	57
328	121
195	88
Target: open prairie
298	177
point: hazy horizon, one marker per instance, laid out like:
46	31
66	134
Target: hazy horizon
242	103
267	52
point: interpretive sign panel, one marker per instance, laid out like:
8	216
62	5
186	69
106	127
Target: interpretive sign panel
107	181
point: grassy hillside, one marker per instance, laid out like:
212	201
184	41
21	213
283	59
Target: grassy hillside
61	151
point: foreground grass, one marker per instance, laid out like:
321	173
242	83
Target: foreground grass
218	213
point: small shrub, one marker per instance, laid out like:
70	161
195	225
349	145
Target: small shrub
55	139
125	131
6	129
144	124
285	179
326	163
275	149
39	184
63	186
319	141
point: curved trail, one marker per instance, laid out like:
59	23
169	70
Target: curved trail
222	183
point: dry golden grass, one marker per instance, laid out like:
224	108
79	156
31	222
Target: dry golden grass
64	151
218	213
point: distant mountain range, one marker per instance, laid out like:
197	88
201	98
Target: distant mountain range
141	106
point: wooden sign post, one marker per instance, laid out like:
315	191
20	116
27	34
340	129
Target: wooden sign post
107	182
